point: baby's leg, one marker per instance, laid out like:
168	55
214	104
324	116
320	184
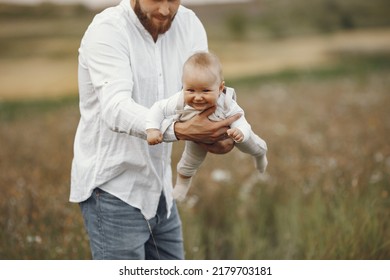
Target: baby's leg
256	147
182	186
261	163
191	159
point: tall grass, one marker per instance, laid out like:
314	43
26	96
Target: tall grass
37	220
325	194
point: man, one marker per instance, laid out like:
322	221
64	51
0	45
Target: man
131	56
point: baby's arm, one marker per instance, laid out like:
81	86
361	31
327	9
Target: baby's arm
159	112
240	129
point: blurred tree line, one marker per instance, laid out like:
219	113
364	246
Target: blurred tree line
254	19
283	18
43	10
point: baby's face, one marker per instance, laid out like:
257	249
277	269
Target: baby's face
201	88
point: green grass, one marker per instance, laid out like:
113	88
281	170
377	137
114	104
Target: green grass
11	110
347	65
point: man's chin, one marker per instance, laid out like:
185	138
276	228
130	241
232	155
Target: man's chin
164	26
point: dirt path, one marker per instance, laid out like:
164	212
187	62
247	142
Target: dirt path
298	53
40	77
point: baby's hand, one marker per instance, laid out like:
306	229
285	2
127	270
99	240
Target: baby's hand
154	136
235	134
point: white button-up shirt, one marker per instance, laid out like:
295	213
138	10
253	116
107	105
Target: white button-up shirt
122	72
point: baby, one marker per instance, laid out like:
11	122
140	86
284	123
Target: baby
203	87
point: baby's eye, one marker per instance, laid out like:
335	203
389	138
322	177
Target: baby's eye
206	90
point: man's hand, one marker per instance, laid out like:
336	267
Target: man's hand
220	147
200	129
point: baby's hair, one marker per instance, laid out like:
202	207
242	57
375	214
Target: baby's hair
206	60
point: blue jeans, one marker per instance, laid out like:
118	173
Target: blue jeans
119	231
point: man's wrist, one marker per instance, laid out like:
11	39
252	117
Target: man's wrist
174	130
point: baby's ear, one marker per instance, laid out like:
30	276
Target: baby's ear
222	86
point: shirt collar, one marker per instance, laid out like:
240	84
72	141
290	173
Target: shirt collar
134	18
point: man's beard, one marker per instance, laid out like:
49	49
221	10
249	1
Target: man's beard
152	28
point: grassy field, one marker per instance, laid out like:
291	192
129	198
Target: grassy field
326	193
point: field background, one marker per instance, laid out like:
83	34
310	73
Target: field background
314	80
